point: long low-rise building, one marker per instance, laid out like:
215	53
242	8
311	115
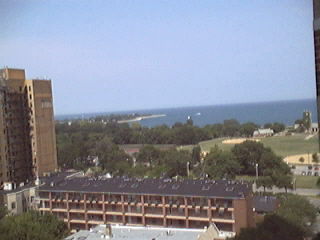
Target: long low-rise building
85	202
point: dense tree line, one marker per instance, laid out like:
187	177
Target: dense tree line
179	133
150	161
78	141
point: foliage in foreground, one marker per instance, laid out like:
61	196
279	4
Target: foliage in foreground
32	226
273	227
297	210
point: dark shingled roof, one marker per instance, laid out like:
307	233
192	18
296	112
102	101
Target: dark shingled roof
124	185
265	204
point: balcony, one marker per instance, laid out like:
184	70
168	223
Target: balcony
95	219
222	215
133	214
96	211
59	210
153	212
44	209
133	209
95	222
198	218
78	221
76	210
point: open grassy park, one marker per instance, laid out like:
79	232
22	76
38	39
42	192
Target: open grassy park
282	145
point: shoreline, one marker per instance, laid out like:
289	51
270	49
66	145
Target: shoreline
137	119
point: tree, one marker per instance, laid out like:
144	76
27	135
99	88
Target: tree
231	127
265	182
247	129
273	227
111	157
317	237
3	212
315	158
221	164
301	159
276	127
175	162
32	225
297	210
282	181
318	182
148	155
196	154
250	153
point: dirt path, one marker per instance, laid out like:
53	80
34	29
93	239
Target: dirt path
239	140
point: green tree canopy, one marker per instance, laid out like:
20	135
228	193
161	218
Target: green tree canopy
32	226
221	164
250	153
273	227
297	210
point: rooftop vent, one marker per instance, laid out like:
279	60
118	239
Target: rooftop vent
85	184
135	185
229	189
175	186
8	186
162	186
205	188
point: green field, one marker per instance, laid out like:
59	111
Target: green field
300	181
282	145
306	181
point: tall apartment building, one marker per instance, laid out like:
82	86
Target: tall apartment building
84	202
316	33
27	134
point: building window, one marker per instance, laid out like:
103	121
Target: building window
13	205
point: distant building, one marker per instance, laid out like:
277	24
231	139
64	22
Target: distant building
265	132
316	34
314	128
306	124
20	199
265	204
86	202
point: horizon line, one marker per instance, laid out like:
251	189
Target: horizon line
163	108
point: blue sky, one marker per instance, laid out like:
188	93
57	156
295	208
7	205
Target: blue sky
122	55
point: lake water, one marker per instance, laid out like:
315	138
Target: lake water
281	111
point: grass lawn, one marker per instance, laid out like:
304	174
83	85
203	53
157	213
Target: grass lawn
246	178
306	181
301	181
282	145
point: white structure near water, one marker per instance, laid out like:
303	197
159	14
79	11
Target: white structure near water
263	132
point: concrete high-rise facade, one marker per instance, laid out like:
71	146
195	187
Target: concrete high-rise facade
27	135
316	32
